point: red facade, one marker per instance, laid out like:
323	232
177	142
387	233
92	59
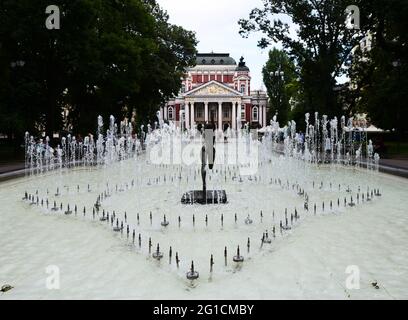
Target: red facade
200	78
248	110
177	112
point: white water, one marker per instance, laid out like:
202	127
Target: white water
307	262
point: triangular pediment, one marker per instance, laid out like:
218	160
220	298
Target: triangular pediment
213	88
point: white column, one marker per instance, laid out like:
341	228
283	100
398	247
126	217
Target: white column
192	114
220	115
264	115
206	112
187	115
247	87
259	114
234	115
222	76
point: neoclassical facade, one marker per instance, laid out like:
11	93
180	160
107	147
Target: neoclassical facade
220	90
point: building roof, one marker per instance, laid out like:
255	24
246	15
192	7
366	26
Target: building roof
215	59
242	65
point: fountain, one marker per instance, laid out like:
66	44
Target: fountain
157	254
192	274
164	223
127	183
68	211
265	238
248	220
238	258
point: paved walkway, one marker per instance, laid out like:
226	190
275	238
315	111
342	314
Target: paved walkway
397	167
10	170
10	167
398	163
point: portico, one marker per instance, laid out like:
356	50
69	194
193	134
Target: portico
212	102
221	112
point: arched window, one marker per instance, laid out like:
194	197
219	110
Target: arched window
243	88
170	113
255	114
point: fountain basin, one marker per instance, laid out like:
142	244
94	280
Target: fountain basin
311	242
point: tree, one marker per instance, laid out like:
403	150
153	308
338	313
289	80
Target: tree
279	77
378	74
109	57
320	47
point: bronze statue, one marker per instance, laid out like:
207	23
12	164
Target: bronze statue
207	156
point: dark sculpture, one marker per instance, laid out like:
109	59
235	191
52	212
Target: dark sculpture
205	196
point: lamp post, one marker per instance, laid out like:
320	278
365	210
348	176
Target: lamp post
278	76
397	65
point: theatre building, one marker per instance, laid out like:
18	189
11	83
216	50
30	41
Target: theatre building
217	89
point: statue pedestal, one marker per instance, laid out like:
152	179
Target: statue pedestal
201	197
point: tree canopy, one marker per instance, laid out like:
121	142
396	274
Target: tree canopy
324	49
320	44
108	57
279	77
379	74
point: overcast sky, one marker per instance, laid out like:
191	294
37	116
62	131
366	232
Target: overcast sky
216	25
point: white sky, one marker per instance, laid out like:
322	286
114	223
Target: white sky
216	25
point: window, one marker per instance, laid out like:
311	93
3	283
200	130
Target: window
255	114
183	88
243	88
243	112
226	112
213	114
199	112
170	113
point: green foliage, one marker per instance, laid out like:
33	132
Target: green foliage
280	91
324	49
321	46
379	75
109	57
